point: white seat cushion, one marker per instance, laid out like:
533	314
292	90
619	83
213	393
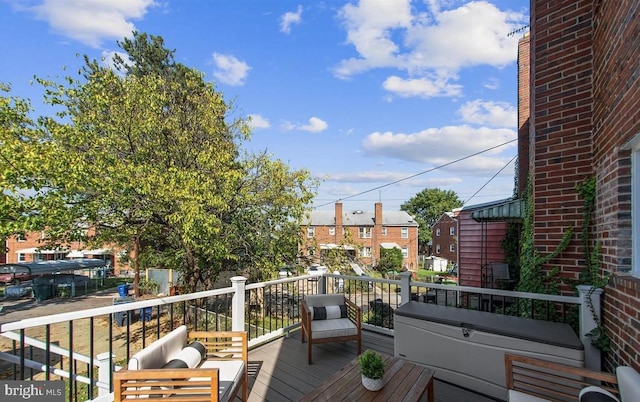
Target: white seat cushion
160	351
230	374
517	396
333	328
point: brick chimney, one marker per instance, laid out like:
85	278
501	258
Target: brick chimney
338	220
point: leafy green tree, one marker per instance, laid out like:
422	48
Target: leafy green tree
390	259
149	155
428	206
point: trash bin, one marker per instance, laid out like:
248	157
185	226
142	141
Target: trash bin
43	291
123	290
123	318
145	314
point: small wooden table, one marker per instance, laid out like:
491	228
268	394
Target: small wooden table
403	381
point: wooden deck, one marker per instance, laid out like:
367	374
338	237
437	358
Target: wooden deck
278	370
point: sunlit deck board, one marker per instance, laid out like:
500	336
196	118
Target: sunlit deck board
279	371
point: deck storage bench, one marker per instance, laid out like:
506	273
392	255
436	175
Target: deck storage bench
467	347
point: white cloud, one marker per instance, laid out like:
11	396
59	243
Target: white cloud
491	83
107	59
229	70
315	125
289	19
257	121
421	87
495	114
428	44
440	146
379	176
92	22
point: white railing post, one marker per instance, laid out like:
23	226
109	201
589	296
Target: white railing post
104	363
237	303
592	359
322	280
405	287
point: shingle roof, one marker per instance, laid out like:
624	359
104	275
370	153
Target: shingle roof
361	218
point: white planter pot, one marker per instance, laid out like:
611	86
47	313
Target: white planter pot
372	384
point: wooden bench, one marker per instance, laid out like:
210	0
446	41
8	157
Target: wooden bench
157	370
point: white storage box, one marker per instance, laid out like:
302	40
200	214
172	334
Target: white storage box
466	347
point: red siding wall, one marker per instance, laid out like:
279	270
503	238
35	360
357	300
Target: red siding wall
475	250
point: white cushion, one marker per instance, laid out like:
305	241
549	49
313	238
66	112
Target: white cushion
230	373
333	328
160	351
628	384
324	300
517	396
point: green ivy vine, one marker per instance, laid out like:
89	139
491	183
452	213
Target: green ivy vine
590	275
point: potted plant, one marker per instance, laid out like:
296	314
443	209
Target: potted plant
372	369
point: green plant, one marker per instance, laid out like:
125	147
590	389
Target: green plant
148	286
590	275
371	364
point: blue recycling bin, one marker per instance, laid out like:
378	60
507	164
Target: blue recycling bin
123	290
123	318
145	314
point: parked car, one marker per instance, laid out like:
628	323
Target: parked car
13	277
314	270
286	272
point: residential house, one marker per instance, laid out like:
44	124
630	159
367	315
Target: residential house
32	247
361	234
585	123
444	235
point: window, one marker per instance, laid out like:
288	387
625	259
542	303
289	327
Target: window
452	231
311	232
405	252
38	257
364	232
437	231
384	230
405	232
437	249
21	258
452	247
332	230
365	252
20	238
311	251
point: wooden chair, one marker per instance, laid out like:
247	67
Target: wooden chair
330	318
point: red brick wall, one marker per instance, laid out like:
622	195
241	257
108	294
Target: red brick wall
616	117
585	107
445	239
561	112
524	93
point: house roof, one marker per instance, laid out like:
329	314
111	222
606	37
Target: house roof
361	218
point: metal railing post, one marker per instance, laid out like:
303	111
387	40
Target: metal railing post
588	323
237	303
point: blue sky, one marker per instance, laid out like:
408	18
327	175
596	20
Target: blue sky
374	97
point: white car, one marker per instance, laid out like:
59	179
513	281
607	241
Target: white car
315	270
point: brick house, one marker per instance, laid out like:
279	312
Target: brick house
360	234
584	123
444	235
32	247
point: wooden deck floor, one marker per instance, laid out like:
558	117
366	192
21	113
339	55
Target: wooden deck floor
278	370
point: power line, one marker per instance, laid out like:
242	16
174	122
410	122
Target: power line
489	181
419	174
